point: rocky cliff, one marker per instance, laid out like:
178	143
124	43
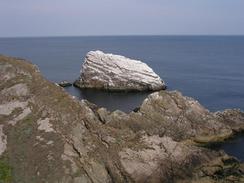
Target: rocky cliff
48	136
115	72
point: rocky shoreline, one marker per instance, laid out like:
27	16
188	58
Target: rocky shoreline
46	135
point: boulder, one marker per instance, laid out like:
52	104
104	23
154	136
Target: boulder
115	72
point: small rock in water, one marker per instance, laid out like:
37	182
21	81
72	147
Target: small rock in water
117	73
65	84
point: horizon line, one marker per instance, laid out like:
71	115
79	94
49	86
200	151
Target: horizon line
122	35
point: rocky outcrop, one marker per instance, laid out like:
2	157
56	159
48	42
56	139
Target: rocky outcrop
169	113
48	136
115	72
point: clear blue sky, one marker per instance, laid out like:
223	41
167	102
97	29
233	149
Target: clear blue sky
120	17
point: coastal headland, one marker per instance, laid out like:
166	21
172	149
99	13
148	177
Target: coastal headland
46	135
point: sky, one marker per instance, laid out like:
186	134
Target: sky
28	18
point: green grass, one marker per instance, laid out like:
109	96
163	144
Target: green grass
5	172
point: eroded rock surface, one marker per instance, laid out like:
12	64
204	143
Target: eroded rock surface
115	72
168	113
48	136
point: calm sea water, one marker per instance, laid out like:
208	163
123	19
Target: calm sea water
207	68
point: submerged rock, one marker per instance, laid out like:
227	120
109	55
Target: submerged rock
115	72
48	136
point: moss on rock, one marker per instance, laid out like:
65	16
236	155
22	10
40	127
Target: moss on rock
5	171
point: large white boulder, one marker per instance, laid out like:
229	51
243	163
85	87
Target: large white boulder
115	72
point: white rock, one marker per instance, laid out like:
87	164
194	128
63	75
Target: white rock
115	72
45	125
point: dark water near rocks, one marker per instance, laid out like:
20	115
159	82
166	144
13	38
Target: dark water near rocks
207	68
233	147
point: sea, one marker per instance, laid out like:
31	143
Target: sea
207	68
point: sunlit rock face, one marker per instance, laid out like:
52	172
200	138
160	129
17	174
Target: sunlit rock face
115	72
